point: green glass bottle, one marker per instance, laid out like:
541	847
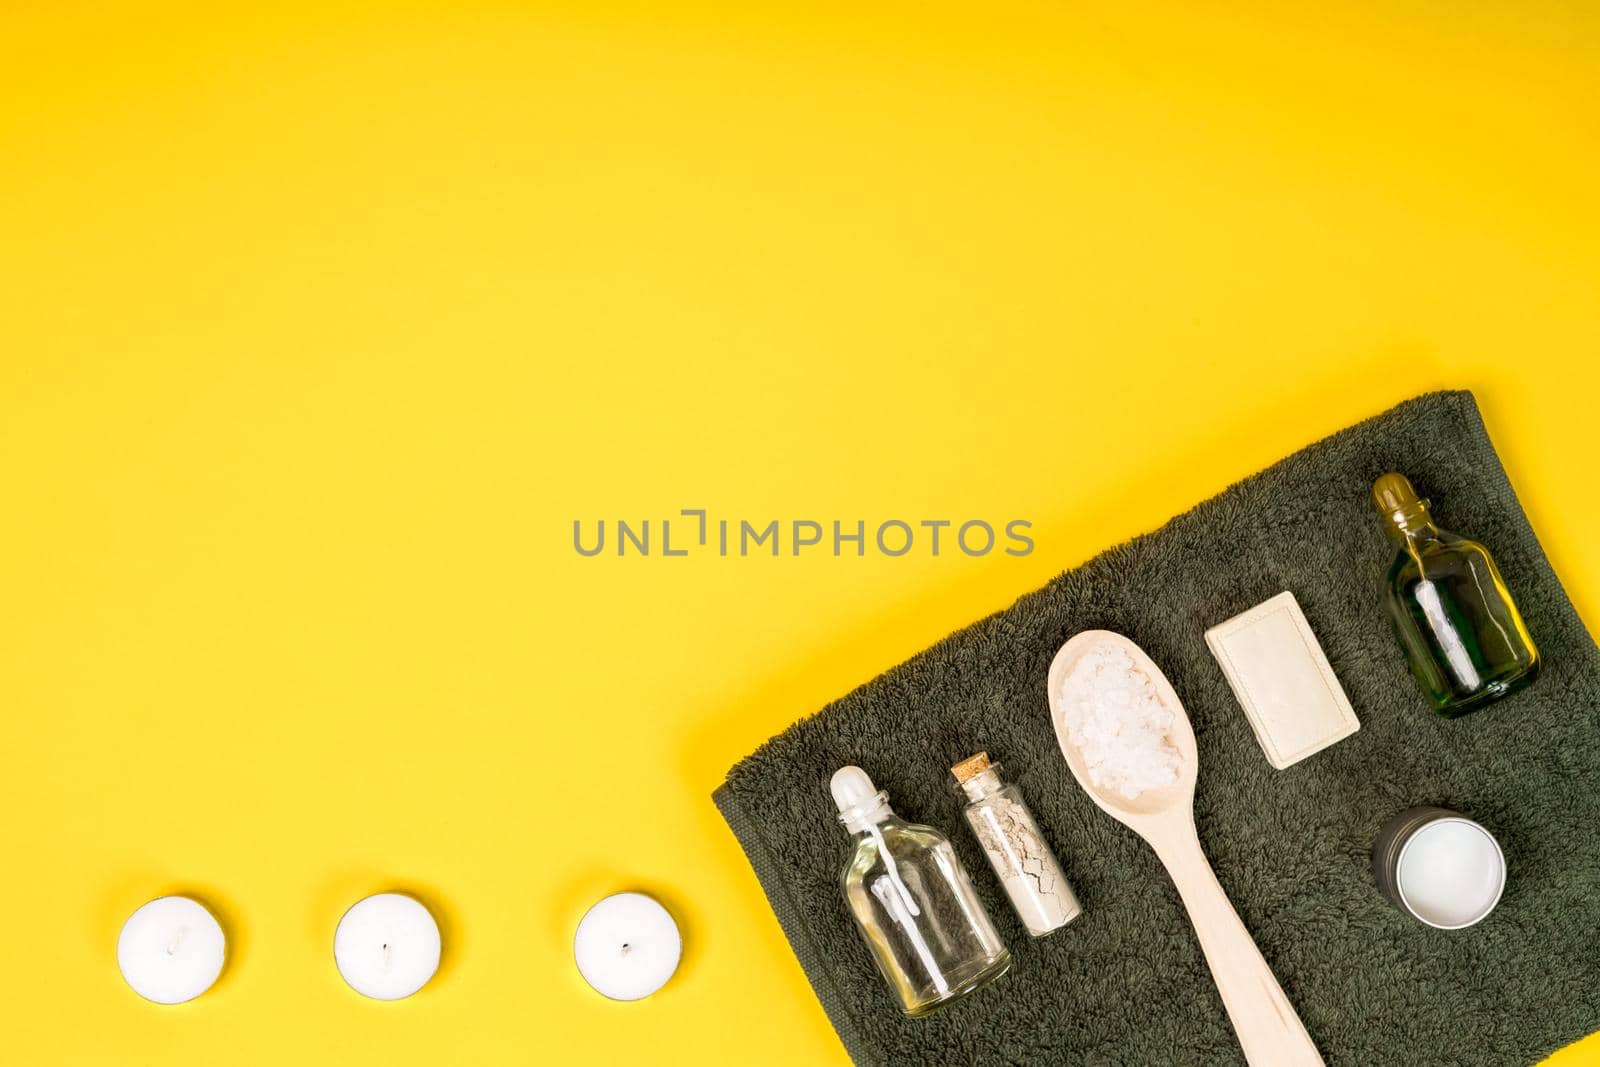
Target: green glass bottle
1460	629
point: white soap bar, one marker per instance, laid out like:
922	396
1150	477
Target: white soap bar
1277	670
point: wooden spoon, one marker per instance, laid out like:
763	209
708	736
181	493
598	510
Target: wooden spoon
1269	1031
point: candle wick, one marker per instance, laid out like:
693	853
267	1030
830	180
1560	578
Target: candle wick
626	948
387	956
177	939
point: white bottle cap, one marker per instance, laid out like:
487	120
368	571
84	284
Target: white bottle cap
851	786
858	800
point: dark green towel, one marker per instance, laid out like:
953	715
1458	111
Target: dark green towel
1126	983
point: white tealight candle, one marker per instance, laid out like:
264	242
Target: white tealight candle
387	946
171	950
627	946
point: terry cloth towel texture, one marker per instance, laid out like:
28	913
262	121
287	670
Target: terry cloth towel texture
1126	983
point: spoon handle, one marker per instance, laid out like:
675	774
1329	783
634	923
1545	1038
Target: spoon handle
1269	1030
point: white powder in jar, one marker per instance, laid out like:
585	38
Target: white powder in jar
1115	718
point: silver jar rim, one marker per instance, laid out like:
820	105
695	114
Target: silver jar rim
1500	886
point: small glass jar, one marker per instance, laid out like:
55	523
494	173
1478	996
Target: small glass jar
1017	851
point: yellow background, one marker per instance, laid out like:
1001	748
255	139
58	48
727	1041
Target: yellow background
320	325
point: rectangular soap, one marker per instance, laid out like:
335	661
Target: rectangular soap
1282	680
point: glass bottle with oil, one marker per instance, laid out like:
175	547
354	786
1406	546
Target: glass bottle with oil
1465	641
930	936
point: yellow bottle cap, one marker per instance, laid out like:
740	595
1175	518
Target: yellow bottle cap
1394	492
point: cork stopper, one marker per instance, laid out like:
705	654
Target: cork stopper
971	767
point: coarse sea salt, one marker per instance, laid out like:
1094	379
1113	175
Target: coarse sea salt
1115	718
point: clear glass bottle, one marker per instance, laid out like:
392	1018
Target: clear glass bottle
1462	634
1017	851
928	931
